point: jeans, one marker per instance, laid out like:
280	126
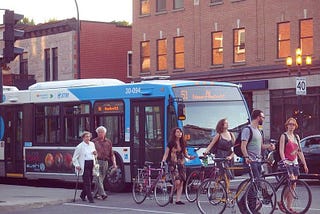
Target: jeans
99	186
252	194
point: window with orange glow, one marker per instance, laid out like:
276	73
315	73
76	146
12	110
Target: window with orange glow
217	48
162	55
179	52
283	39
145	56
306	36
239	45
144	7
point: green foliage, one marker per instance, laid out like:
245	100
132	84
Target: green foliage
27	21
121	23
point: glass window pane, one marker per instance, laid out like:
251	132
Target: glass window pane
284	49
179	61
161	5
144	7
177	4
284	31
307	28
307	46
179	44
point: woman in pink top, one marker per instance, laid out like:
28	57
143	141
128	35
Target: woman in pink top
289	152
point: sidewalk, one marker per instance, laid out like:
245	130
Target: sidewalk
13	197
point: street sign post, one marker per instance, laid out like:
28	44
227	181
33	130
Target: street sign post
301	86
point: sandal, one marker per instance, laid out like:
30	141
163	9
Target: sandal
281	207
292	211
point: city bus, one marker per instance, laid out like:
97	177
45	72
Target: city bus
40	127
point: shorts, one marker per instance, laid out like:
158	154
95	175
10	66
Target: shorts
293	169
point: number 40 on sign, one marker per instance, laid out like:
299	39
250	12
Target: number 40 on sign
301	86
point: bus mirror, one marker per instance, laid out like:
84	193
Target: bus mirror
181	111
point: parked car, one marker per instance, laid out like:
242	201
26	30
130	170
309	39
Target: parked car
311	149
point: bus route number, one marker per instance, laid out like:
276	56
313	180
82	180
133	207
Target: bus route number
134	90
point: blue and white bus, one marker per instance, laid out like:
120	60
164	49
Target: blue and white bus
40	127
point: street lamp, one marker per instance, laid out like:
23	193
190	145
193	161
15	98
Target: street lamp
78	41
301	88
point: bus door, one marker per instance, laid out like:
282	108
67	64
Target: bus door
13	141
147	125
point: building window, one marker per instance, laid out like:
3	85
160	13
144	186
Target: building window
179	52
306	36
54	63
215	1
239	45
129	64
161	5
162	55
24	63
177	4
283	39
217	48
47	64
144	7
145	56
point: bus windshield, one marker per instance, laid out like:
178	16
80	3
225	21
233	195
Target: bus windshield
205	106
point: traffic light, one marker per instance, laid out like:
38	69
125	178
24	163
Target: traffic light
10	35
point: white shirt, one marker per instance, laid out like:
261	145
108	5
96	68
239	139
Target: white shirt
83	152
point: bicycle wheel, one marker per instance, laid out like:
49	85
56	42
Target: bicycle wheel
162	192
139	189
240	193
192	185
260	197
211	197
296	197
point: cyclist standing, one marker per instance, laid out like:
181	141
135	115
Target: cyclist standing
175	153
289	152
223	141
252	150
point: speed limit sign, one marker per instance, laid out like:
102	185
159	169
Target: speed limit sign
301	86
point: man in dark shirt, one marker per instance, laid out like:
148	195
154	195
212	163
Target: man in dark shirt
104	149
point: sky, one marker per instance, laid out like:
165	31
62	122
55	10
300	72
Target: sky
93	10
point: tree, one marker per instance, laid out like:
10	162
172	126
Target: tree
121	23
27	21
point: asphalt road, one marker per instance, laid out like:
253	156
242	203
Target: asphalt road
123	203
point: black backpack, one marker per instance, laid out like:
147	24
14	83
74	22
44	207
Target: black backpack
276	153
237	144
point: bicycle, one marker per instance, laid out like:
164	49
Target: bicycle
145	184
196	177
299	190
257	195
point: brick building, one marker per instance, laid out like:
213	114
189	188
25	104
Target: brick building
240	41
50	52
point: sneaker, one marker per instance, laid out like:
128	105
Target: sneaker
104	197
83	198
179	203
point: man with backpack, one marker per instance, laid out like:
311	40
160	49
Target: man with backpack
252	144
252	149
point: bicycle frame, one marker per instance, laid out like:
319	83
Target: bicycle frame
150	182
